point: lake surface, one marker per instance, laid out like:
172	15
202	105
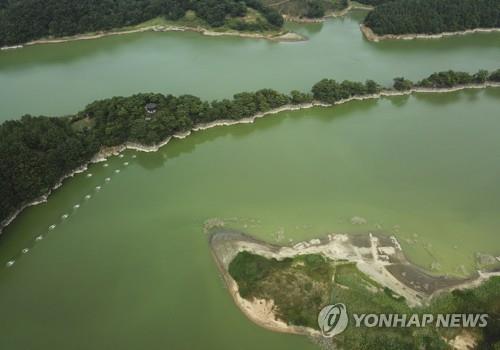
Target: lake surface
131	268
62	78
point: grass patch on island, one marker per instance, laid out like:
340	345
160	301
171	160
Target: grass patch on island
302	285
299	286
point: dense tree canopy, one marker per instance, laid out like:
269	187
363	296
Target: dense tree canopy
306	8
452	78
25	20
315	9
36	152
433	16
495	76
374	2
329	91
402	84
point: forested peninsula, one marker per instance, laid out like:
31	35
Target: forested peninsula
428	17
37	153
23	21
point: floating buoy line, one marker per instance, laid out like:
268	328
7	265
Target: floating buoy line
40	236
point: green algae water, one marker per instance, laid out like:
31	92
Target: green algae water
56	79
130	266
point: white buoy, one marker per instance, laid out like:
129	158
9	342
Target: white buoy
117	171
89	175
10	263
65	216
121	155
25	250
39	238
126	163
51	227
106	165
108	179
98	188
76	206
134	156
88	196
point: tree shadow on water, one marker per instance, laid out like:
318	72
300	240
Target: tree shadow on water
439	99
68	52
179	147
346	110
399	101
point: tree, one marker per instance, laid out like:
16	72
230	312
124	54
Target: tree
26	20
446	79
327	90
433	16
315	9
372	87
36	152
495	76
298	97
481	76
402	84
274	18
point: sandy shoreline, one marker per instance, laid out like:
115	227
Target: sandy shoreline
335	247
109	151
282	36
259	311
371	36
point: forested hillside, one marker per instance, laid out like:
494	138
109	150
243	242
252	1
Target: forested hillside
25	20
35	152
373	2
306	8
433	16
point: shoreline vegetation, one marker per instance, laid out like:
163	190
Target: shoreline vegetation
371	266
330	14
282	36
193	24
197	26
371	36
431	19
110	126
261	21
49	21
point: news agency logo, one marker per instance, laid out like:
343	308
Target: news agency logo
333	320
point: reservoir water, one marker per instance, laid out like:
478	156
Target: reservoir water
129	267
62	78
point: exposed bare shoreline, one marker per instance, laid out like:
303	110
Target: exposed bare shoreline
258	311
372	259
371	36
282	36
109	151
